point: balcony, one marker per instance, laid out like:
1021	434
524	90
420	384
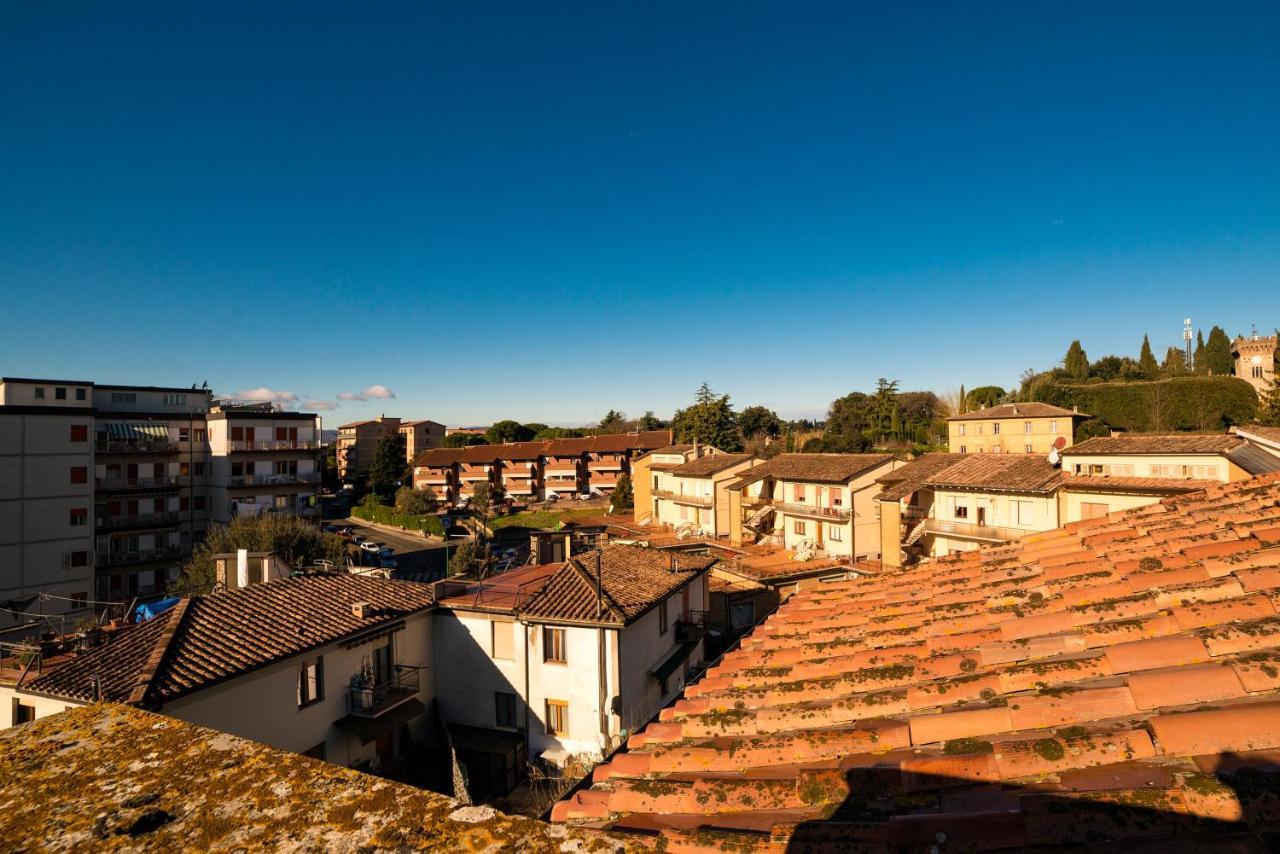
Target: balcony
238	445
605	465
473	476
694	500
562	471
123	522
970	531
563	485
691	630
371	699
121	558
835	514
271	479
137	446
125	484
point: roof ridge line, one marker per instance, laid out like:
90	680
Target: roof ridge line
585	575
138	696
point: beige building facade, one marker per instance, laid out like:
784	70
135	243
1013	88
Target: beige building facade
1255	361
1012	428
358	441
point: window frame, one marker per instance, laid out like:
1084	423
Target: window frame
554	640
663	618
305	700
562	712
500	698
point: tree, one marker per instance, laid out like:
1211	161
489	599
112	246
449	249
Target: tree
1090	428
1076	362
469	559
508	431
296	542
1111	368
387	467
414	502
557	433
535	428
850	415
1147	361
837	444
1175	363
463	440
709	421
884	408
484	498
612	420
1217	353
650	422
985	396
759	421
1198	357
951	402
622	498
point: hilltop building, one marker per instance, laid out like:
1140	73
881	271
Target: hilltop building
1013	428
1255	360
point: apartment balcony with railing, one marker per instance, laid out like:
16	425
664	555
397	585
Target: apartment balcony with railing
561	484
136	446
125	484
812	511
693	500
236	481
606	464
239	445
126	521
371	698
124	557
971	531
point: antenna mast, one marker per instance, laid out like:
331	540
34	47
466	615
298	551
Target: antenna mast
1186	337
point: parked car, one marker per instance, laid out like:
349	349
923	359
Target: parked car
359	539
371	546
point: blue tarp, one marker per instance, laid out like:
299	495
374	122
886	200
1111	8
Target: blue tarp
154	609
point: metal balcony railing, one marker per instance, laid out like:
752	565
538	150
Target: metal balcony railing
125	483
272	479
696	500
124	446
107	522
120	558
839	514
272	445
691	630
372	699
968	530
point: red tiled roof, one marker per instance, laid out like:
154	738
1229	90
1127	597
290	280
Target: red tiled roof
1106	683
903	481
1146	485
1186	443
632	580
643	441
438	457
813	468
1018	410
709	465
1004	472
207	639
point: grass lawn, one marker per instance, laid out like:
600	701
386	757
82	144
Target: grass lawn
545	518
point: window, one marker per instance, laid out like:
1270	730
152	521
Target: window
197	469
175	399
184	434
79	474
184	469
22	714
1257	372
39	392
79	432
78	559
963	449
1026	427
835	534
742	615
798	527
60	393
1026	449
662	617
504	709
124	397
961	512
79	394
184	504
1053	426
1092	510
1021	511
79	517
198	502
502	638
557	717
977	429
311	682
1095	469
995	429
960	430
1119	469
553	645
797	492
202	435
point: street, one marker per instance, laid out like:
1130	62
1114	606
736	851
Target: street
415	557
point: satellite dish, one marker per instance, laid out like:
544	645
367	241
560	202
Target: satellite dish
1054	457
1059	443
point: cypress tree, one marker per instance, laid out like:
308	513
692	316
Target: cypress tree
1217	353
1076	362
1198	357
1147	364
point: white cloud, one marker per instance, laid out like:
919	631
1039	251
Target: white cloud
267	395
319	405
373	392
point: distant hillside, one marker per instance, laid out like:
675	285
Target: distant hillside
1190	403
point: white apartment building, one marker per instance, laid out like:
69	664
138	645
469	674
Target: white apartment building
692	496
263	461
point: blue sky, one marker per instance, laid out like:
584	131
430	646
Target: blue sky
543	211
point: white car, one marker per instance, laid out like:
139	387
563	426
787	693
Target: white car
371	546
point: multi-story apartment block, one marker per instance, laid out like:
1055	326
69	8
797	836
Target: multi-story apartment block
46	495
694	496
263	461
419	436
358	441
521	470
1255	360
564	468
811	503
1013	428
105	489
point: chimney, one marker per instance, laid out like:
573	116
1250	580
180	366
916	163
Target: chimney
361	610
697	450
1075	408
242	568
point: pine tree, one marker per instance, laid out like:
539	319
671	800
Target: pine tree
1175	362
1217	353
1076	362
709	421
1147	364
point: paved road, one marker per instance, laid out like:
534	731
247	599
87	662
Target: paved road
413	553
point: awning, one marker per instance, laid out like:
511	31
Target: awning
677	658
133	432
367	729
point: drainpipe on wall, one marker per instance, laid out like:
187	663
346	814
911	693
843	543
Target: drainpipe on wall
528	743
604	686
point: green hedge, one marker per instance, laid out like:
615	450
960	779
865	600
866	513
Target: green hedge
389	516
1209	404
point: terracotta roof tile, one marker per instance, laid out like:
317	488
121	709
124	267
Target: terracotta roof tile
1185	443
709	465
999	472
1018	410
1059	682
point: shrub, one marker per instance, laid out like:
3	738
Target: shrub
374	512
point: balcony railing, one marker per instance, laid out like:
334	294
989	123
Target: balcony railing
559	485
272	445
968	530
839	514
605	465
108	522
696	500
124	446
109	484
119	558
691	630
272	479
373	699
563	471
